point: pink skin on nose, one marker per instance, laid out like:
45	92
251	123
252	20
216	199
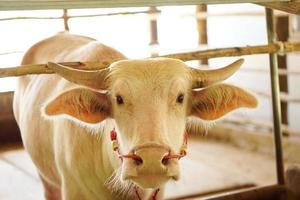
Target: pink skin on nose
149	165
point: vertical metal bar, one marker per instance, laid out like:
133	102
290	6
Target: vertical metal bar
275	98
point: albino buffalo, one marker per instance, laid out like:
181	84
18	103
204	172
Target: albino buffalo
119	132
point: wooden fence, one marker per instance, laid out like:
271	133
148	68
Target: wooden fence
291	6
201	15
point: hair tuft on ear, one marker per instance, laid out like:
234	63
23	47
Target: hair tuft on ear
81	103
214	102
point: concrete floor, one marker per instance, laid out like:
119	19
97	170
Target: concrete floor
210	167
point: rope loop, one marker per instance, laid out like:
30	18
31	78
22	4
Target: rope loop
281	50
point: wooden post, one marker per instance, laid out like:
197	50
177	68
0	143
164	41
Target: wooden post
282	30
153	31
9	130
202	29
66	18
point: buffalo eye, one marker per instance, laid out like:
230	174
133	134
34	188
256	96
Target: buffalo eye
119	100
180	98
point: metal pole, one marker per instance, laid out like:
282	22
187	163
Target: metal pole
275	98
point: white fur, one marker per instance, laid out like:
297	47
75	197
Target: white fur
75	158
68	153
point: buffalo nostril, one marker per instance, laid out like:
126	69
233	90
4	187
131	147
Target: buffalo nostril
137	160
165	161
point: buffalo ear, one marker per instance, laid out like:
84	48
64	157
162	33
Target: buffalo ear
83	104
214	102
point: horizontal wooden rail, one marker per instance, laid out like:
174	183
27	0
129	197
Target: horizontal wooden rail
290	6
231	14
188	56
283	96
198	15
43	69
71	4
83	16
10	52
237	14
281	47
280	71
243	121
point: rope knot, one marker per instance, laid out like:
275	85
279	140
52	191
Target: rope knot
281	50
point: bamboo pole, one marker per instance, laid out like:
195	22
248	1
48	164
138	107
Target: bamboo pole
275	97
43	68
284	47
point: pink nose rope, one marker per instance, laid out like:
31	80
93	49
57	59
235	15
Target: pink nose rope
115	146
138	159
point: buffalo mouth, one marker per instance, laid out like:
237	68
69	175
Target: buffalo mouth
147	178
151	181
